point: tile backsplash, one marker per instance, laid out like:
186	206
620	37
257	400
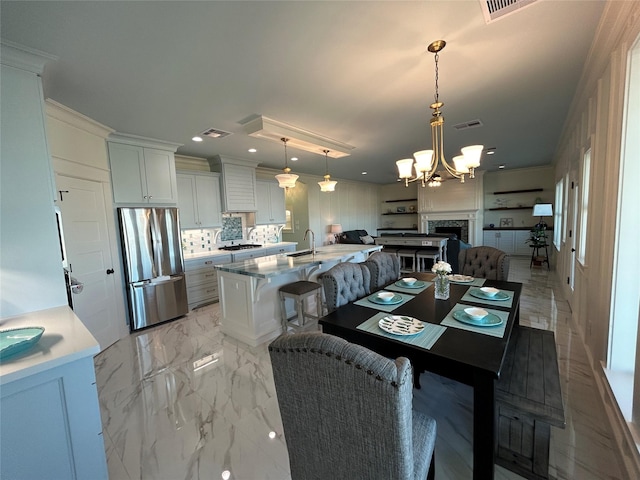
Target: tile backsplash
199	240
206	239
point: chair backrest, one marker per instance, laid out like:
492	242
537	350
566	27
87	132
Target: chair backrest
484	262
344	283
346	411
384	268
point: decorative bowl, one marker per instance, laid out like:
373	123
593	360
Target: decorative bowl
409	280
489	291
476	313
386	296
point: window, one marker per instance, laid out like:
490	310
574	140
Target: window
558	215
584	206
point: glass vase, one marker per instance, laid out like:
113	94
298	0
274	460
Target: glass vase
441	287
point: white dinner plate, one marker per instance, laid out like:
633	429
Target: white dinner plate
461	278
401	325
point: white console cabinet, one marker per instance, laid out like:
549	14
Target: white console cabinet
199	200
143	171
271	205
512	242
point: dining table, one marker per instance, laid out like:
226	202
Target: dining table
441	339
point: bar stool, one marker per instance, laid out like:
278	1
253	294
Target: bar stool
299	292
424	256
404	256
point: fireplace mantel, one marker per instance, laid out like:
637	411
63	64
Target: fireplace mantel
474	217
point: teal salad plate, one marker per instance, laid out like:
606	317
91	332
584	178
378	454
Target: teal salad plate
500	296
490	320
16	340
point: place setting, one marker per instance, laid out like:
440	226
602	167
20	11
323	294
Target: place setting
466	280
476	319
384	300
403	328
489	296
409	285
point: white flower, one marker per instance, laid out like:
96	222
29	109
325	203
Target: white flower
441	268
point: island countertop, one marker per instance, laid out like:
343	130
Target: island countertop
274	265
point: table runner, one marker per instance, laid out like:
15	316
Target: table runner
497	331
467	297
410	291
364	302
425	339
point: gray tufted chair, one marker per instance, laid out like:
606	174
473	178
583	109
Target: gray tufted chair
347	411
484	262
345	283
384	268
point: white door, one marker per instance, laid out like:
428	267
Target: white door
572	218
89	256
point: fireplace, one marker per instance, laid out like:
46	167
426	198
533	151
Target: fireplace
456	230
464	223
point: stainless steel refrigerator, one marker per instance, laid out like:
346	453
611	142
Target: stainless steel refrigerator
153	265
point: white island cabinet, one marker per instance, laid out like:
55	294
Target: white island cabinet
51	425
249	303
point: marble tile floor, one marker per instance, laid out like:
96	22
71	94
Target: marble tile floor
184	401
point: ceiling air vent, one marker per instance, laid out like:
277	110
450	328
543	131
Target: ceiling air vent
495	9
215	133
470	124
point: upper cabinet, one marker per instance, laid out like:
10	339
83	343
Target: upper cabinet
271	207
142	170
199	200
238	183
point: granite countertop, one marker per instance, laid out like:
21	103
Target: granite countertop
274	265
65	340
515	228
218	252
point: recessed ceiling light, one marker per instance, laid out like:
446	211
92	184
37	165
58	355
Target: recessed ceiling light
197	139
294	159
364	173
252	150
490	150
501	166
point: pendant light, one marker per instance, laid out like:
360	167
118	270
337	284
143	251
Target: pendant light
427	161
287	179
327	185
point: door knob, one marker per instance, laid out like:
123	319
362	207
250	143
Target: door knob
573	250
110	271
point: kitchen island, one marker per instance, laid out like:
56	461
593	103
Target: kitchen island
249	304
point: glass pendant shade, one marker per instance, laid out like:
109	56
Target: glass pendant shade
286	180
460	164
327	185
472	155
424	161
405	167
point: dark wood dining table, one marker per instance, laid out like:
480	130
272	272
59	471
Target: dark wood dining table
468	357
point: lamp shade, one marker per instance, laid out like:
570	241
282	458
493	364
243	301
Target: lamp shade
460	164
336	228
405	167
327	185
424	160
542	210
472	155
287	180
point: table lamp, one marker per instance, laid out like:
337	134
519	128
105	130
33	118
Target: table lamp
542	210
336	229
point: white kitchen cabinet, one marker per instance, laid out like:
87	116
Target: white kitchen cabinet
141	173
51	425
521	246
199	200
501	239
238	178
271	207
248	254
275	250
202	279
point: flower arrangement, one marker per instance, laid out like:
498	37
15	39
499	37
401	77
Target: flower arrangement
441	268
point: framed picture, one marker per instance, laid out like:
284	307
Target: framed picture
401	209
506	222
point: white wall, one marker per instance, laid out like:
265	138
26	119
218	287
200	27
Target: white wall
31	275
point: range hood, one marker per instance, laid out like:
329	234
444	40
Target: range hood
270	129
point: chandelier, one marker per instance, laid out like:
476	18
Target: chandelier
287	179
327	185
427	161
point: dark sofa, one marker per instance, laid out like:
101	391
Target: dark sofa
355	237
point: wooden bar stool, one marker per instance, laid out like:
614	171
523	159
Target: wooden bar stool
299	292
407	260
426	258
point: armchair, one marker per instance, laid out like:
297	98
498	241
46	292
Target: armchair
484	262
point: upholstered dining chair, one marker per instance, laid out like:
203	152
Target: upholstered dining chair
347	411
344	283
484	262
384	268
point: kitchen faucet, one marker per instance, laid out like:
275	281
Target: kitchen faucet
312	244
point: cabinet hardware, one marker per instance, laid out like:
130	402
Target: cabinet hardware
61	192
110	271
